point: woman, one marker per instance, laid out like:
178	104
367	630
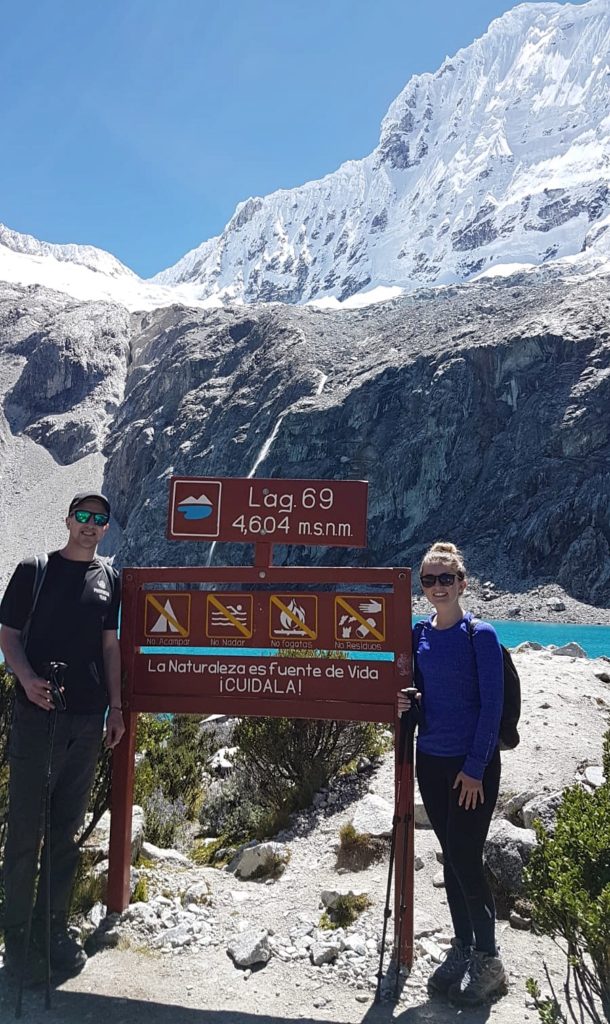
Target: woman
458	671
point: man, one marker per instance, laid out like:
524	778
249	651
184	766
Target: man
74	621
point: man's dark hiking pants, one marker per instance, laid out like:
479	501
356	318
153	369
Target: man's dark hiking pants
76	748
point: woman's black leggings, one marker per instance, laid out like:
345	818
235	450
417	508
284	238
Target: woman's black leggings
462	835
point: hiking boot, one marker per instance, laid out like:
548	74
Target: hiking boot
67	955
36	967
484	979
452	969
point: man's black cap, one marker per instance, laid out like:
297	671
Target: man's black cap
84	496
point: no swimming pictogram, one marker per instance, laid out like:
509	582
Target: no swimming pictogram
167	614
359	618
229	616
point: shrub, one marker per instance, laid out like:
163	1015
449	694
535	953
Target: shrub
345	911
290	759
173	756
165	819
358	851
237	809
140	892
568	883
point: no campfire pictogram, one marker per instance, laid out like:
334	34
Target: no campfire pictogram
293	616
167	614
229	616
360	618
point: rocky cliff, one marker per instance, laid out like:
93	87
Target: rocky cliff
478	412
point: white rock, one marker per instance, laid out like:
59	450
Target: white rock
250	947
373	817
324	953
356	944
330	897
431	949
424	925
156	853
260	859
594	775
197	893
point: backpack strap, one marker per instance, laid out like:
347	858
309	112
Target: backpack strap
40	570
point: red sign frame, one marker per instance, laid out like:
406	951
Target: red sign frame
323	693
250	510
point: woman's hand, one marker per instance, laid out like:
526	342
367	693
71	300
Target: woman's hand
404	702
471	791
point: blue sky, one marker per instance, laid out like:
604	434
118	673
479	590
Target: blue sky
138	125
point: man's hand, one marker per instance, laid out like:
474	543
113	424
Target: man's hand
471	791
38	691
114	728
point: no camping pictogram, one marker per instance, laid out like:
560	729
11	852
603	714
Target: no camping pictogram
359	618
229	616
293	616
167	614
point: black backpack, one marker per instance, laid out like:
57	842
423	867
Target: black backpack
508	737
509	734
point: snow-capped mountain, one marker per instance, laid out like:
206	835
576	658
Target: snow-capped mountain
84	272
500	157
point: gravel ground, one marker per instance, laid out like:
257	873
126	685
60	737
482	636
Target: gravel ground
565	713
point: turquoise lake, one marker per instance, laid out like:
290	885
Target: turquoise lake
595	640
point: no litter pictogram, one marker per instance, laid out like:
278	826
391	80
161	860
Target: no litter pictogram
167	614
293	616
360	618
229	616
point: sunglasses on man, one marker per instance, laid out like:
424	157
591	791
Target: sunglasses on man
446	579
83	516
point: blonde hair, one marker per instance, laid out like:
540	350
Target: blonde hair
447	554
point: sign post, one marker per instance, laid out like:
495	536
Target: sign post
201	640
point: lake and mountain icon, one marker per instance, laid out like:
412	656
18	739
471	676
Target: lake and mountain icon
196	508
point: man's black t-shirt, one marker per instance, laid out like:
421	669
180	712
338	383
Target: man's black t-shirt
75	605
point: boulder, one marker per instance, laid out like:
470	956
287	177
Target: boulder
514	806
555	604
571	650
527	645
261	860
544	807
507	851
250	947
373	817
98	843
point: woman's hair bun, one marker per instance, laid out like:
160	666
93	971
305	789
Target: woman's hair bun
447	553
447	547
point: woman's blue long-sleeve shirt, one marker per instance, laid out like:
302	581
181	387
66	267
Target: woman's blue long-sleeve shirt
461	678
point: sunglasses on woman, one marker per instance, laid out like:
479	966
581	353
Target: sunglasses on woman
446	579
83	516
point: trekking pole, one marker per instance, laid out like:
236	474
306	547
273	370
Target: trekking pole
56	671
387	913
413	718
